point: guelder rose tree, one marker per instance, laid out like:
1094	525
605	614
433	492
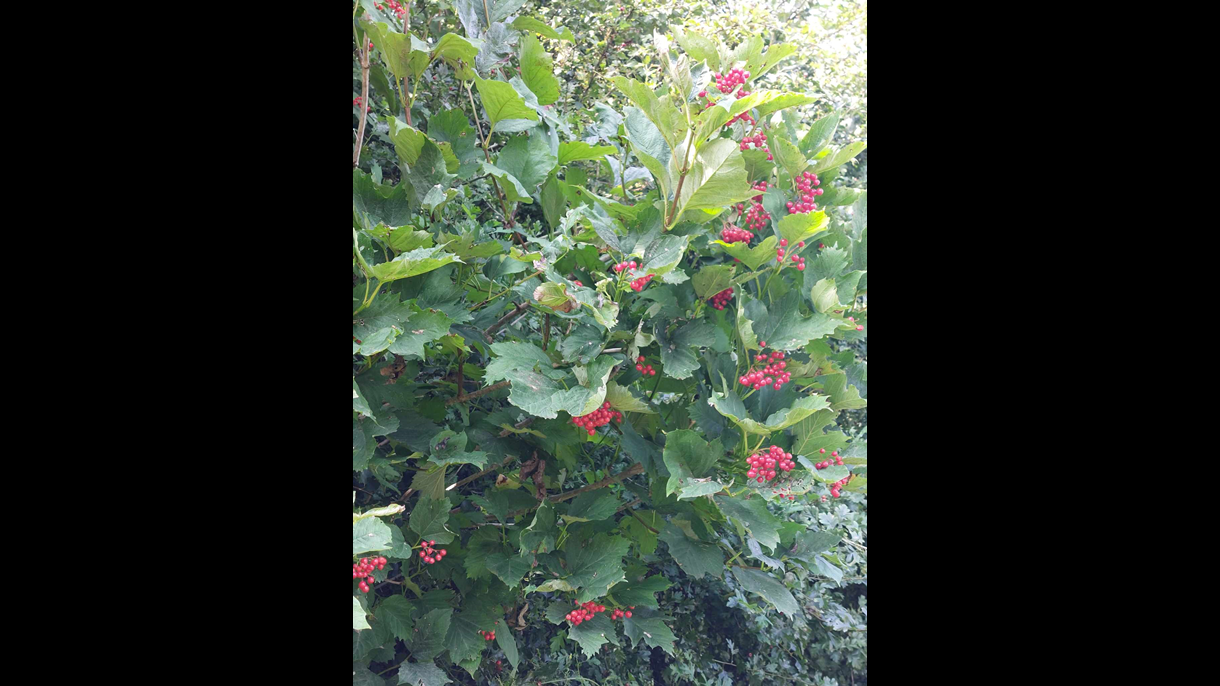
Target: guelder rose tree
534	452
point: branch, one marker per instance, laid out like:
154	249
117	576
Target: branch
477	394
641	521
476	475
364	99
610	480
505	319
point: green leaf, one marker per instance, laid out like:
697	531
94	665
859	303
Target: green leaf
592	506
422	328
779	420
825	296
819	134
782	327
717	177
509	567
513	190
382	204
650	146
421	674
451	128
842	396
370	535
688	456
597	565
641	593
677	353
571	151
430	484
532	24
363	676
783	101
802	226
428	520
508	644
405	54
509	355
828	569
769	588
808	543
789	157
419	261
759	64
428	639
454	49
667	118
696	558
652	630
541	534
843	155
636	528
699	48
699	488
359	621
527	158
809	436
712	279
501	102
752	513
751	257
622	399
408	140
395	611
663	254
593	633
538	70
463	639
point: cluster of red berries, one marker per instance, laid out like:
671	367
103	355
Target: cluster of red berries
834	488
771	375
358	101
597	417
732	234
395	7
826	463
797	260
489	636
645	369
756	217
719	300
629	266
759	140
727	82
584	612
577	283
619	614
762	465
639	284
364	568
431	555
805	186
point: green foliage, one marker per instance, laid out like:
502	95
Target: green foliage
490	207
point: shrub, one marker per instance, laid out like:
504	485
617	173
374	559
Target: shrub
595	414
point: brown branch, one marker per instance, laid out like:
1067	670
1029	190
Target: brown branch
364	100
641	521
504	320
628	472
477	394
518	425
610	480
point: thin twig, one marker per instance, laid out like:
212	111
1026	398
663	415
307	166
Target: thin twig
364	99
477	394
641	521
505	319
